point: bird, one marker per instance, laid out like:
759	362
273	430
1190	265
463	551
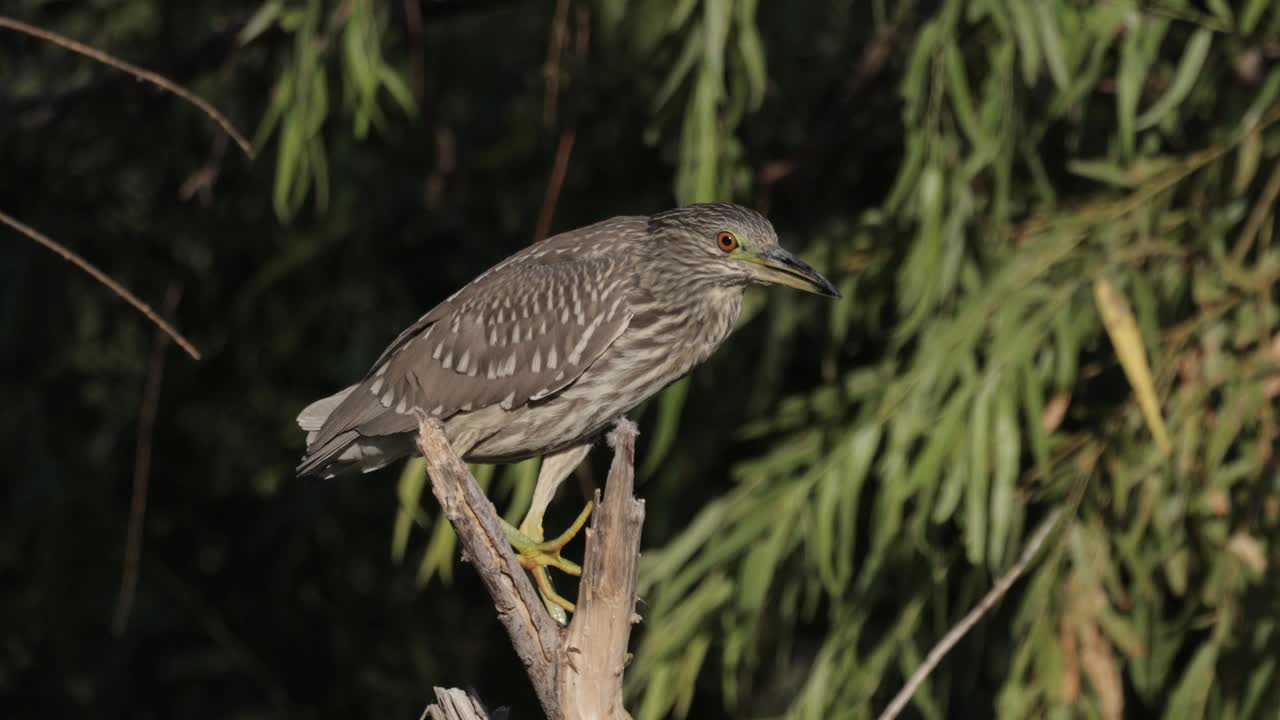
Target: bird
541	353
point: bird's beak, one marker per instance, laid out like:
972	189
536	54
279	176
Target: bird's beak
779	267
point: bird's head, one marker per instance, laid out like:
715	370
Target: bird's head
734	245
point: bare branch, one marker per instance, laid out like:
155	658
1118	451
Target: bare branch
564	147
534	635
576	673
595	651
102	277
960	629
455	704
558	170
142	467
141	73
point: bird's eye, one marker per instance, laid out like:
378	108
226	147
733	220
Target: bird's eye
727	241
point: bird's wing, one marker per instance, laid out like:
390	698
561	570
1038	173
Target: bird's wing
519	333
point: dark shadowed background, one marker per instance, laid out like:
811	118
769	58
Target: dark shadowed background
1005	192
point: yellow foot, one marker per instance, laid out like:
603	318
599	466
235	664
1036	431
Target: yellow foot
536	555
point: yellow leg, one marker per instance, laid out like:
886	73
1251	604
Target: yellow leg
537	555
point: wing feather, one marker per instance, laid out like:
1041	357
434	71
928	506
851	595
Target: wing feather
519	333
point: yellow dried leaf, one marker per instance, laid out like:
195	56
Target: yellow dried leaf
1117	317
1249	551
1103	672
1070	661
1054	412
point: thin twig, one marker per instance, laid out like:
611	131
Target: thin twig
202	180
142	467
551	68
1261	211
417	54
960	629
102	277
564	148
555	183
141	73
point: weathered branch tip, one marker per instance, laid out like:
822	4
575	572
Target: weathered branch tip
623	427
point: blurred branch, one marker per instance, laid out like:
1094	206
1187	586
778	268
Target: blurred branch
551	68
559	168
142	467
1057	520
960	629
1257	217
576	672
138	72
102	277
201	181
35	110
564	147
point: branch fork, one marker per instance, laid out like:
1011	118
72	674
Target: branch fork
576	671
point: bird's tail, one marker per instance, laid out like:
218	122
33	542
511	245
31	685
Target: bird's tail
345	451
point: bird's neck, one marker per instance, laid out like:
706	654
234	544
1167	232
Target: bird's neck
713	316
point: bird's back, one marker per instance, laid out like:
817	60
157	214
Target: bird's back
514	338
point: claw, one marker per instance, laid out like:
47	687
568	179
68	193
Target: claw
537	555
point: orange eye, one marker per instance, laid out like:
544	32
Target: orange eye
727	241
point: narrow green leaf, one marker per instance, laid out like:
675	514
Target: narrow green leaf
1190	696
680	69
760	564
953	487
680	13
287	162
1252	13
1028	43
977	493
670	405
1051	42
1033	419
261	21
1067	346
751	51
1007	452
1183	80
519	480
695	655
1129	81
413	478
320	174
962	102
438	557
397	89
941	441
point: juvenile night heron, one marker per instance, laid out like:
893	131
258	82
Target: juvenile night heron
542	352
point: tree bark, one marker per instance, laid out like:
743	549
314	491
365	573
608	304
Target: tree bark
595	650
454	704
577	671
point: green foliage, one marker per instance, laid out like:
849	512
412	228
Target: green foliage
948	434
300	100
